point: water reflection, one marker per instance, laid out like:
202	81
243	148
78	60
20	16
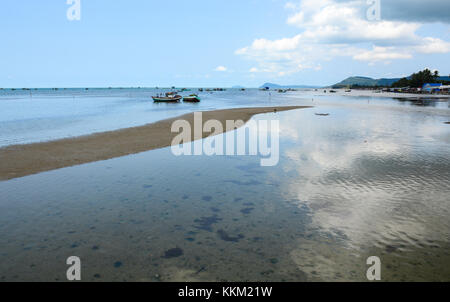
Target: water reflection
369	179
371	183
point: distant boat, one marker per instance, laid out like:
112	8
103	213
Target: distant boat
170	97
193	98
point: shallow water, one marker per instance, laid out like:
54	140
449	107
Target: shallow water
370	179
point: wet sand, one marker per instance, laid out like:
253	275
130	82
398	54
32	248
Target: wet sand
22	160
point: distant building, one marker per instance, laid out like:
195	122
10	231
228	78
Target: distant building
431	87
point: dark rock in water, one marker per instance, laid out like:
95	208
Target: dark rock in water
247	211
202	269
224	236
117	264
173	253
244	183
274	260
206	198
391	248
205	223
251	168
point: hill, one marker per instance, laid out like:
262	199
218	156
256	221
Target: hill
365	82
276	86
369	82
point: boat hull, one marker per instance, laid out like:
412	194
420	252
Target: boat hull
167	99
191	99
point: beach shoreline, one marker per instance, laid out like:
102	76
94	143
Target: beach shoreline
394	95
28	159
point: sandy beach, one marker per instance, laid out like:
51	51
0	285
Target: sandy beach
22	160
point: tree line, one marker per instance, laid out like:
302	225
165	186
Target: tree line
417	80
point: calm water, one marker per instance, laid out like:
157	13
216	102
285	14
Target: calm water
371	179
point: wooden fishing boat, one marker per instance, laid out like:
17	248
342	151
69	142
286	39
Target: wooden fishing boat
193	98
169	98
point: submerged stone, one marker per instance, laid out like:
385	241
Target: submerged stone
205	223
247	211
173	253
224	236
117	264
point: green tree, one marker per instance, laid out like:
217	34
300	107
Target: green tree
417	80
401	83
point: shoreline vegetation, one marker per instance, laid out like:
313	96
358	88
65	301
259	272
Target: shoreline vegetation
23	160
359	91
414	84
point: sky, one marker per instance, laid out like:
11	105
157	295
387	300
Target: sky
218	43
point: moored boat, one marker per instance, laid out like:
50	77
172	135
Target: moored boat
193	98
169	98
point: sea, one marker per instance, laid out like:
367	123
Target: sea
357	177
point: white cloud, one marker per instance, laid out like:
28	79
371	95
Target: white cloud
221	68
433	45
291	5
381	54
332	28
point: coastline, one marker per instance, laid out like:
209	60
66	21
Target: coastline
394	95
23	160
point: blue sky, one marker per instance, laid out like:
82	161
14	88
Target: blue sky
207	43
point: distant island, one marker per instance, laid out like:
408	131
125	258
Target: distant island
365	82
276	86
415	80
